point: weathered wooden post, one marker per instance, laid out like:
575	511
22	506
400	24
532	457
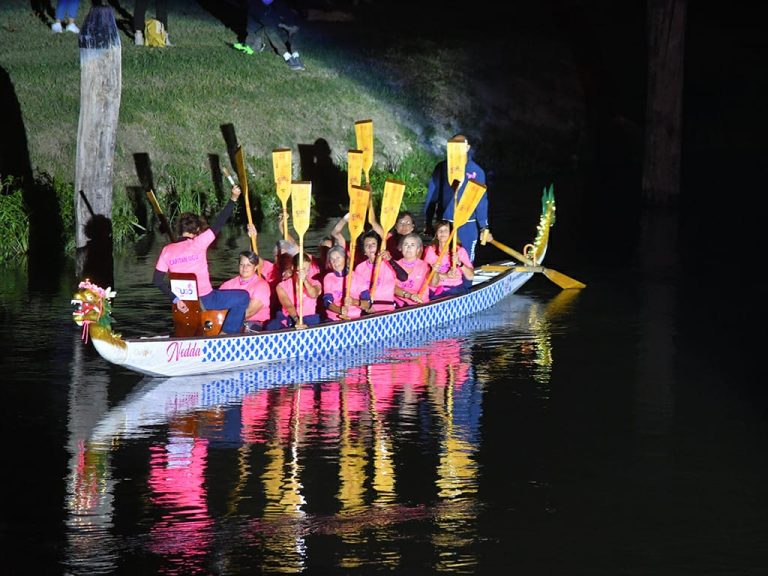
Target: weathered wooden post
100	86
666	22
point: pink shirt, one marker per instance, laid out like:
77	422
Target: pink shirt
430	257
257	288
418	270
189	256
385	283
335	284
310	304
266	268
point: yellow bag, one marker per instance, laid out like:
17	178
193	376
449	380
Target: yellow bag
154	33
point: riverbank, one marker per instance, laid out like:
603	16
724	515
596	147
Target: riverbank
417	84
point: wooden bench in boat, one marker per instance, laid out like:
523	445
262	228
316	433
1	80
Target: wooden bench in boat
198	321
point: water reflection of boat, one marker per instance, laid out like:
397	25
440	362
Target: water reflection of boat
345	423
154	400
172	356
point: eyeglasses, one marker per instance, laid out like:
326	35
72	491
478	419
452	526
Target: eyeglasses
405	223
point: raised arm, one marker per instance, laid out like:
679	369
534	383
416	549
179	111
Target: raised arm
338	237
226	212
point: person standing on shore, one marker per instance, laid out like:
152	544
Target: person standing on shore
440	202
271	24
66	9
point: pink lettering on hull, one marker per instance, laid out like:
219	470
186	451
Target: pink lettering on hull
179	350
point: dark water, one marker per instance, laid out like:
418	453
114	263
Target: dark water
616	430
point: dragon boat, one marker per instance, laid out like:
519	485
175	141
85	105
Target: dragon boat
168	356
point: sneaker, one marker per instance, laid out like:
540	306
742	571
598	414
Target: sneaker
297	64
138	38
72	27
168	40
56	28
243	48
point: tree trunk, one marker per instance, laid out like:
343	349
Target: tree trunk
100	85
663	118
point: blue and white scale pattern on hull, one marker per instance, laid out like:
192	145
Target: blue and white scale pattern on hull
326	338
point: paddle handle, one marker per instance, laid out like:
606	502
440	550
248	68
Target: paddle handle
350	267
431	274
300	291
455	242
375	277
285	220
511	251
250	220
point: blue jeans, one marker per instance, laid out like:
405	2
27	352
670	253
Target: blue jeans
236	301
66	9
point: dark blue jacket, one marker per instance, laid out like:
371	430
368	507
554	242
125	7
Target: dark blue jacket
439	199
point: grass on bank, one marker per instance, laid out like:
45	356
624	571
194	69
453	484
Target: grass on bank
419	89
173	103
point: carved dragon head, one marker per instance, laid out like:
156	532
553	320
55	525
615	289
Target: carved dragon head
93	305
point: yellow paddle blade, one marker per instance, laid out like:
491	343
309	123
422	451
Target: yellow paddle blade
364	135
390	203
358	208
283	170
469	200
565	282
457	159
354	168
301	202
242	175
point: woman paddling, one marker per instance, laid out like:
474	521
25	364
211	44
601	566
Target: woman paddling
337	305
411	290
450	279
257	313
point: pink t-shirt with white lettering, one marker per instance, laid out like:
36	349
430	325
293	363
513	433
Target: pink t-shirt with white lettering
189	255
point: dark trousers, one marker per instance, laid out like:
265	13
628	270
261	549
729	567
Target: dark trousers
236	301
140	13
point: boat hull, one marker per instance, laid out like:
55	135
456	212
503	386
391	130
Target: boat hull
164	356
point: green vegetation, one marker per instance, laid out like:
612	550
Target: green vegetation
14	222
175	100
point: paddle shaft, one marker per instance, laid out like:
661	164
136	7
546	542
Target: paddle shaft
243	177
565	282
159	212
431	274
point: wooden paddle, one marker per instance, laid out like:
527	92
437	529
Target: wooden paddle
464	209
301	203
456	152
159	212
283	168
359	197
354	168
390	208
242	176
565	282
364	135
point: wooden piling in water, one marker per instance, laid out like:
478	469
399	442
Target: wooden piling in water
100	87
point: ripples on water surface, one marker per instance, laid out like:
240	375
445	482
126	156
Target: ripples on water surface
556	433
